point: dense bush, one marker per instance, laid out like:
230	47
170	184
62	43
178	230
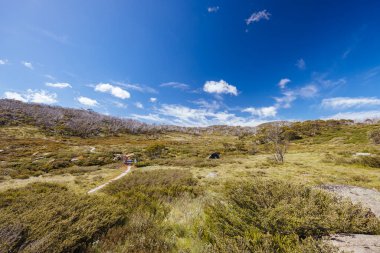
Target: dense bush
273	216
50	218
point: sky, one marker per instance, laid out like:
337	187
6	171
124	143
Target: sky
195	63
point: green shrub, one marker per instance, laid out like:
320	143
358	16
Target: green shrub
142	164
274	216
50	218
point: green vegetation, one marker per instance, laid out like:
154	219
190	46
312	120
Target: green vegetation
176	199
274	216
50	218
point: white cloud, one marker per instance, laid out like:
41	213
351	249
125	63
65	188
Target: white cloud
263	112
257	16
176	85
221	87
113	90
120	105
286	100
34	96
41	96
185	116
150	117
28	65
283	82
153	100
139	105
87	101
15	96
59	85
49	77
308	91
347	102
213	9
212	106
301	64
359	116
137	87
3	61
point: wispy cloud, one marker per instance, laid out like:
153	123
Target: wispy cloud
34	96
212	106
119	105
59	85
3	61
49	77
28	65
346	53
286	100
349	102
359	116
301	64
308	91
63	39
283	82
176	85
373	72
153	100
220	87
137	87
139	105
257	16
213	9
262	112
113	90
87	101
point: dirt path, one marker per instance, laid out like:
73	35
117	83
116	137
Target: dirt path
114	179
357	243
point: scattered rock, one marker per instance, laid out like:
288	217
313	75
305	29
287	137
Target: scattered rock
356	243
362	154
212	175
367	197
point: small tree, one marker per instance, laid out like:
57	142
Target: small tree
274	135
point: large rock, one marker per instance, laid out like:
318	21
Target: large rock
357	243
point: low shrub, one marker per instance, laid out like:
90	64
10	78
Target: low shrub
274	216
142	164
50	218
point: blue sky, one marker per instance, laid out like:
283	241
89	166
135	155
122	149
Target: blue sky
195	63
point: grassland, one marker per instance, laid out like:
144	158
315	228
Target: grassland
177	200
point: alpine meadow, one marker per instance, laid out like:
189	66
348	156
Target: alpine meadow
189	126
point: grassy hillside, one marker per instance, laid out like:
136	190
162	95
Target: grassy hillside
177	200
